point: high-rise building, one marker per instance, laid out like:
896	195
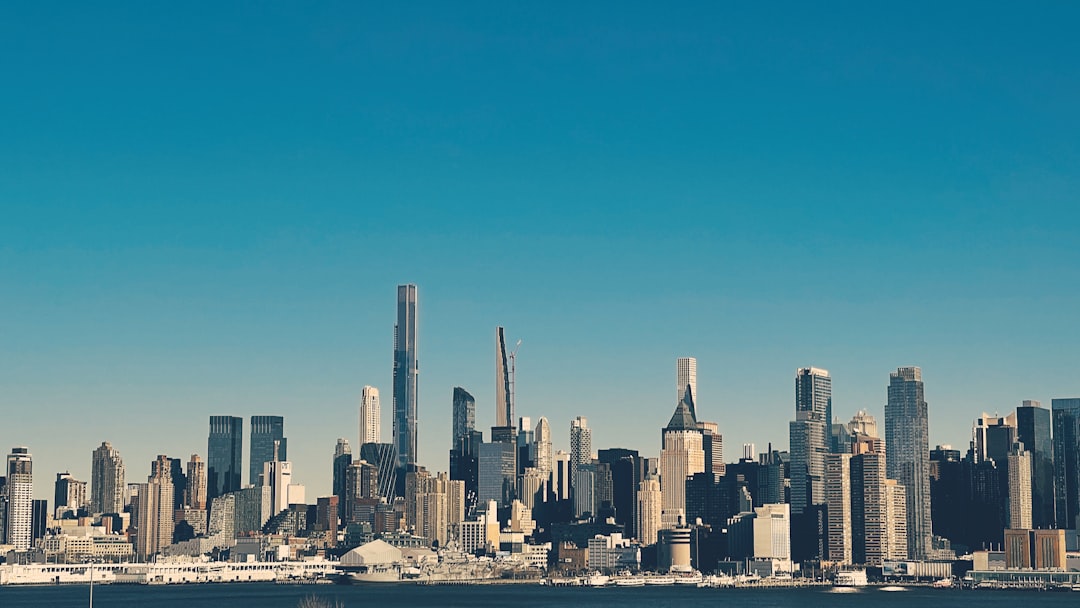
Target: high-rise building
713	443
580	447
681	456
1019	472
625	480
267	433
526	444
464	420
18	520
560	475
649	511
542	441
370	416
497	472
1066	422
810	437
69	493
1033	430
869	509
342	461
504	404
406	369
772	532
107	480
224	455
686	375
895	520
585	490
838	499
277	474
154	511
907	446
195	494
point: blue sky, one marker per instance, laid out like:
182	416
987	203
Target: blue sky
205	210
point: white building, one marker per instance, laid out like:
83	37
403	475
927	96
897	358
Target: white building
772	532
682	455
686	375
370	416
543	447
649	511
20	497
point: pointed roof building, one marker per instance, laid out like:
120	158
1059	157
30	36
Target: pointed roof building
683	418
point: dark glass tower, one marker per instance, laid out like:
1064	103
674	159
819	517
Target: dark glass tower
265	430
1066	421
406	368
907	448
1033	430
224	454
464	415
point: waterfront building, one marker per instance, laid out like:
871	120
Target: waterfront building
896	535
772	532
370	416
406	369
267	439
107	480
1027	549
224	454
907	448
1065	415
1033	430
838	500
19	492
681	456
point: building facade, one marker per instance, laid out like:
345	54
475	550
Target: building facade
107	480
18	519
370	416
224	455
267	433
907	446
406	369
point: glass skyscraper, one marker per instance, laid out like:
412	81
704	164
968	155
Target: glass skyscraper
1066	421
224	454
265	430
406	368
1033	430
809	437
907	453
464	415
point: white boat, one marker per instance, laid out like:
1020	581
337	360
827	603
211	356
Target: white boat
630	581
693	578
850	578
944	583
660	580
597	580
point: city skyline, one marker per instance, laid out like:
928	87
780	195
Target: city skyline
214	228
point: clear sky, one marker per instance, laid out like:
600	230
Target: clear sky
206	209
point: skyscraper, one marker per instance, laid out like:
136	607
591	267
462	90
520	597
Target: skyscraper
370	416
681	456
266	431
907	447
649	510
18	521
224	454
464	421
580	447
69	493
543	447
155	510
504	405
195	493
342	462
1019	473
1033	430
406	368
810	437
686	375
1066	421
107	480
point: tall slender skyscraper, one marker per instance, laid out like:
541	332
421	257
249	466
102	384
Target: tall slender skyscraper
543	447
907	448
224	455
267	432
370	416
580	447
1033	430
107	480
464	420
18	521
686	375
1066	420
406	368
504	406
342	462
810	439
